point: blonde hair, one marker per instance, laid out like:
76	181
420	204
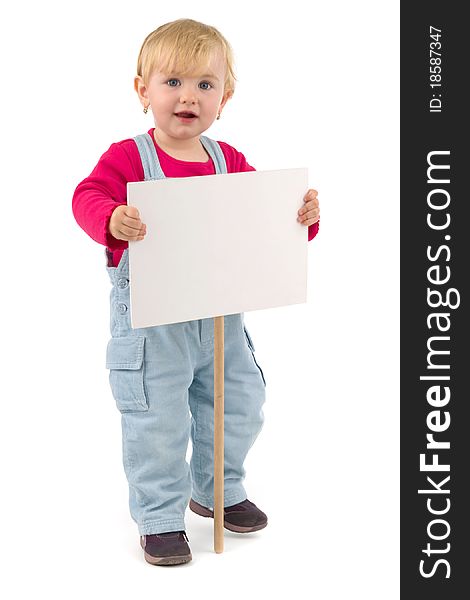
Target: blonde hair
182	45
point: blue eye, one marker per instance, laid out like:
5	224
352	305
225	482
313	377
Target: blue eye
170	80
206	83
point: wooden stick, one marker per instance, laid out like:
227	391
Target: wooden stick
219	434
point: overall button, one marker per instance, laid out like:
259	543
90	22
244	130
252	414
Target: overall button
122	308
123	283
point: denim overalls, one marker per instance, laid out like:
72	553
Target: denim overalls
162	379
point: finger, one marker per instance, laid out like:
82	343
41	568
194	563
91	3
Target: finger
133	238
130	232
310	195
312	216
309	222
311	202
312	205
132	223
132	211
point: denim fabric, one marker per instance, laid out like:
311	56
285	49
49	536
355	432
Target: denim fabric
162	379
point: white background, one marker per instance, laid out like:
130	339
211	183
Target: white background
317	87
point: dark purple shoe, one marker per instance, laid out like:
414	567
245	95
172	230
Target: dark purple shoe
243	517
166	548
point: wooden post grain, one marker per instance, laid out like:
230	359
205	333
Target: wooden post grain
219	434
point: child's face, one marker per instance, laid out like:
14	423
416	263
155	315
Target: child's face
171	93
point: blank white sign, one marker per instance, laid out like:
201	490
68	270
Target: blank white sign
217	245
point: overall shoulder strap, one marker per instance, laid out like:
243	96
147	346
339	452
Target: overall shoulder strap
215	152
148	156
151	164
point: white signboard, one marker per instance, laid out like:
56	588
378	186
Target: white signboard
217	245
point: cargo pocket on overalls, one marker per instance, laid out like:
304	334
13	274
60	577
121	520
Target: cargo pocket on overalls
252	348
125	359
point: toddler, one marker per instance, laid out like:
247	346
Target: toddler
162	377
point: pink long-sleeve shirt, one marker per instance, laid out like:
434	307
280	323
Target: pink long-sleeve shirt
96	197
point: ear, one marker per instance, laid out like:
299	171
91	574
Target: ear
225	99
141	89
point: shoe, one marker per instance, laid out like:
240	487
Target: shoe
243	517
166	548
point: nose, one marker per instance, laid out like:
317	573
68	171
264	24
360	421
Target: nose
183	100
186	95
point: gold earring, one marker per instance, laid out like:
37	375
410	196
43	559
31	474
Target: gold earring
146	109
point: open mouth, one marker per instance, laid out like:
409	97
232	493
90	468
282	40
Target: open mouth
186	115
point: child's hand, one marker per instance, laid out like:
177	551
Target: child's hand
310	212
125	224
